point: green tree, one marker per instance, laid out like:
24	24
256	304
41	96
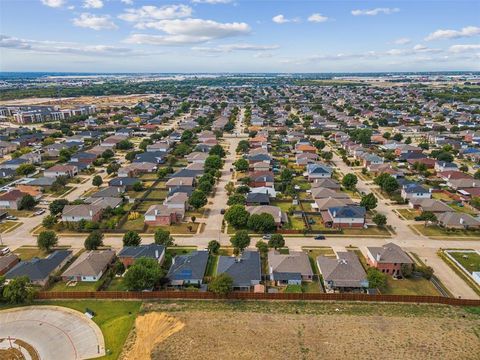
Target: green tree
276	241
213	162
236	199
94	240
49	221
205	186
427	216
261	223
230	188
349	181
213	247
262	248
25	169
144	274
97	181
163	237
198	199
369	201
380	220
397	137
124	145
237	216
221	284
241	165
56	206
27	202
131	238
46	240
376	279
243	146
217	150
477	174
108	154
112	168
18	291
138	186
240	240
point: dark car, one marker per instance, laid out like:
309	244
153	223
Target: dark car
319	237
222	211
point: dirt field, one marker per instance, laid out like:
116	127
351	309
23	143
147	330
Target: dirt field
99	101
309	333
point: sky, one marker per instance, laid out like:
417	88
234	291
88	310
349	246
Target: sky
239	35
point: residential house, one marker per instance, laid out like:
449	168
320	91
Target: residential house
89	266
317	171
411	191
349	216
245	270
180	184
61	170
40	270
342	274
86	212
289	269
11	199
261	179
389	259
129	254
455	220
441	166
7	262
430	205
257	199
188	269
279	216
158	215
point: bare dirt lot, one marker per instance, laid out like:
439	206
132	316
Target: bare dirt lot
304	332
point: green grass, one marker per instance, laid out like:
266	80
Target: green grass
135	225
434	230
463	209
29	252
293	289
20	213
80	286
181	228
311	287
469	260
8	226
313	253
212	263
117	285
296	223
115	319
157	194
412	286
180	250
371	230
408	214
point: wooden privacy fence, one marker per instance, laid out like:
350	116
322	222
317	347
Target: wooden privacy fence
161	295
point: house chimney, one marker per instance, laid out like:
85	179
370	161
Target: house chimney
121	182
156	212
462	221
378	257
156	254
91	213
334	213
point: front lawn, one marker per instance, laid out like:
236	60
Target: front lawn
408	214
435	230
29	252
371	230
413	286
181	228
469	260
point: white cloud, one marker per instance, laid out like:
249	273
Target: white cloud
187	31
373	12
464	48
93	4
213	2
227	48
53	3
91	21
151	13
402	41
468	31
127	2
280	19
55	47
317	18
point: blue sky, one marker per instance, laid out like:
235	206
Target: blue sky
238	36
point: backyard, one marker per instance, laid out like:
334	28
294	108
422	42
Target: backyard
413	286
469	260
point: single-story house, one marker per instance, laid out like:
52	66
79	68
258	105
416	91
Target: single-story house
61	170
344	216
7	262
11	199
158	215
188	269
89	266
345	273
455	220
289	269
129	254
278	215
245	270
39	270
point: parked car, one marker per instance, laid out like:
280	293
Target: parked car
4	251
267	237
222	211
319	237
10	217
39	212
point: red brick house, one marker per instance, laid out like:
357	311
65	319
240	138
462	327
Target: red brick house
7	262
158	215
388	259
